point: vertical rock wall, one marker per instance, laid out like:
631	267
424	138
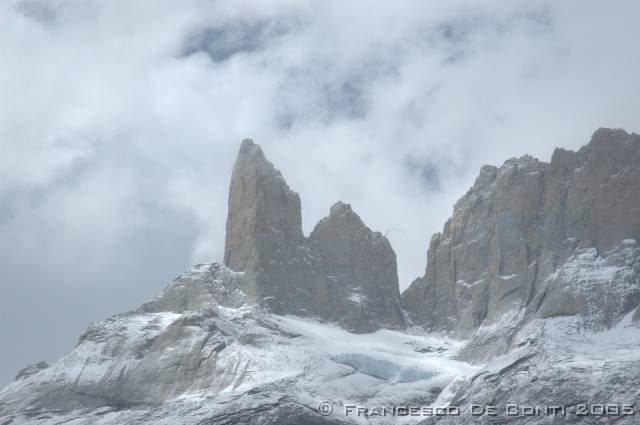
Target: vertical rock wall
519	224
344	272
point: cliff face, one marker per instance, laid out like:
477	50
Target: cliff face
264	238
262	209
360	268
514	236
343	273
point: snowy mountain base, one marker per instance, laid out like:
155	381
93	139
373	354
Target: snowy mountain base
219	365
169	363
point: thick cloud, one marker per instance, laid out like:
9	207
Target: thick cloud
119	123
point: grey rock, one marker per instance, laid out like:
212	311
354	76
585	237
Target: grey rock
31	369
361	269
264	237
202	287
520	224
343	272
262	208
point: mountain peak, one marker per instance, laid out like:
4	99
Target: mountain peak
247	144
340	208
260	203
517	222
342	259
611	134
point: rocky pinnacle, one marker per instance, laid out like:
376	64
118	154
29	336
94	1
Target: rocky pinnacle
261	206
343	272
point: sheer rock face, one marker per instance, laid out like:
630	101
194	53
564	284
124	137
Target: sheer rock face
262	210
291	274
361	269
264	238
519	224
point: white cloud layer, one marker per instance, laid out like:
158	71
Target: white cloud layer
120	121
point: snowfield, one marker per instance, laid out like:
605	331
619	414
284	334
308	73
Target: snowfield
260	360
284	365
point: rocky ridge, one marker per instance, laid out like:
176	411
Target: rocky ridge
538	270
513	235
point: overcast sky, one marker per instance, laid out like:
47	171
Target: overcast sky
120	121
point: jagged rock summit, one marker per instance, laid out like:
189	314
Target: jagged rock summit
539	267
537	239
262	210
343	272
360	268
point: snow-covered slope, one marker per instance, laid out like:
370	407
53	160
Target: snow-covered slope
204	362
582	352
558	363
221	364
